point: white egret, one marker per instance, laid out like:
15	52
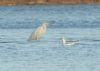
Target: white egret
40	31
68	42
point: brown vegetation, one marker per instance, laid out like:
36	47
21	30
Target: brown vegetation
16	2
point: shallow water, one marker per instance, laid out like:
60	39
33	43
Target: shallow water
48	54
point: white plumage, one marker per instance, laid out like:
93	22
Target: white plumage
40	31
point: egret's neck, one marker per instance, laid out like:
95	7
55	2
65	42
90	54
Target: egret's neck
44	26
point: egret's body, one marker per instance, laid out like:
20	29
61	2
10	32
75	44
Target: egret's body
40	31
66	43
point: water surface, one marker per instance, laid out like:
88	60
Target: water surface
74	22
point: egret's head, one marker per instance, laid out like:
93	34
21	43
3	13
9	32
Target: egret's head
45	24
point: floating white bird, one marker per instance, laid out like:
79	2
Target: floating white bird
69	42
40	31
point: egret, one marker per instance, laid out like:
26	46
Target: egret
40	31
68	42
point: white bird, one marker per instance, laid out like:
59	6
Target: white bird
40	31
69	42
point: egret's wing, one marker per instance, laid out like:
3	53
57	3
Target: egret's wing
30	38
40	32
37	34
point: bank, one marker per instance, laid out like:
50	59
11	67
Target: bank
32	2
